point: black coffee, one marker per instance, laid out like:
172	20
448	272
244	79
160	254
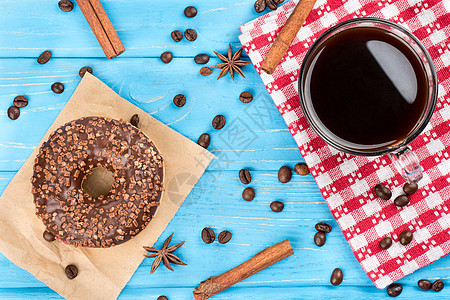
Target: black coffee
367	87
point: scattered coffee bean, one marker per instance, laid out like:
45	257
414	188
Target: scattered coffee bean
383	192
208	235
48	236
245	176
437	286
13	112
246	97
336	277
271	4
401	201
201	59
65	5
190	11
424	284
260	6
218	122
248	194
410	188
190	35
204	140
205	71
224	237
71	271
301	169
166	57
385	243
277	206
83	71
44	57
162	297
57	88
324	227
135	120
284	174
320	238
405	237
20	101
179	100
394	289
176	35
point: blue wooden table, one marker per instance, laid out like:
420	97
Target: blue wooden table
255	137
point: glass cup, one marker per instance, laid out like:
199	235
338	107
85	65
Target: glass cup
402	156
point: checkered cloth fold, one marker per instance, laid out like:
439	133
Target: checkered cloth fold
347	181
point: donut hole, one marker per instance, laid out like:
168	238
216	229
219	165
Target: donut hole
98	182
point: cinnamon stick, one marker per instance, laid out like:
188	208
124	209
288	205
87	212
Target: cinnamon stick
287	35
260	261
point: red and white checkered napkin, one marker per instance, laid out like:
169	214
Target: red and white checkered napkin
347	181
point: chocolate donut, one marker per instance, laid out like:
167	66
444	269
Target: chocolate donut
70	155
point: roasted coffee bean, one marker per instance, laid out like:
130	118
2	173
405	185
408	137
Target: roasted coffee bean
394	289
166	57
179	100
301	169
277	206
20	101
57	88
271	4
13	112
204	140
201	59
424	284
410	188
224	237
218	122
135	120
48	236
320	238
278	1
176	35
246	97
383	192
437	286
248	194
65	5
205	71
385	243
245	176
324	227
71	271
190	35
44	57
336	277
208	235
162	297
83	71
405	237
260	6
284	174
401	201
190	11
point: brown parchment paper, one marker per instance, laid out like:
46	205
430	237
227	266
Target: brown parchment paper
103	273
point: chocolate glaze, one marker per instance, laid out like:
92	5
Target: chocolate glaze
70	154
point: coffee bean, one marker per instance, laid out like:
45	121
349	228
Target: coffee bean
166	57
71	271
271	4
245	176
246	97
20	101
190	35
301	169
424	284
324	227
179	100
383	192
336	277
48	236
260	6
205	71
277	206
405	237
135	120
320	238
401	201
83	71
162	297
204	140
278	1
224	237
248	194
394	289
385	243
58	88
437	286
218	122
13	112
284	174
190	11
410	188
44	57
201	59
65	5
176	35
208	235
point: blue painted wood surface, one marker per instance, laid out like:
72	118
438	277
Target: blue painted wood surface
255	137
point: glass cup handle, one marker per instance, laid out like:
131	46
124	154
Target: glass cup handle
407	164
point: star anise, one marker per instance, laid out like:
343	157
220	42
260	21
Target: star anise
260	5
232	63
165	255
